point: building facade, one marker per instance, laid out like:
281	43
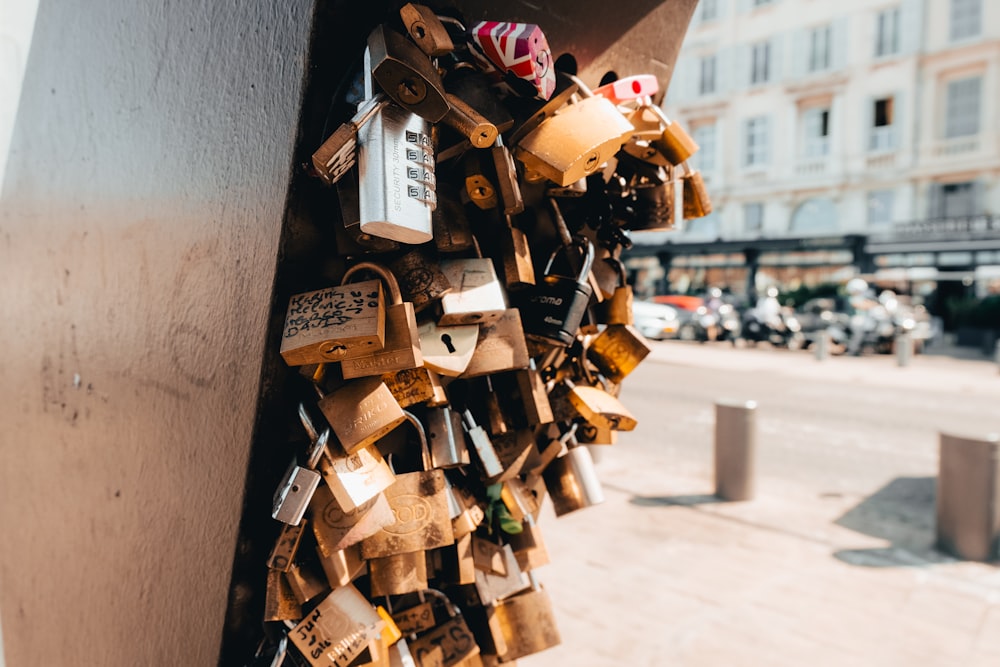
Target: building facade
870	117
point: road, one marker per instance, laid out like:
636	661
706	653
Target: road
831	564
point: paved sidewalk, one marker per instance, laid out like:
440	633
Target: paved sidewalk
663	574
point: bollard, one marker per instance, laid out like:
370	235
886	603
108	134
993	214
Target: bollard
904	348
968	497
735	445
996	355
823	345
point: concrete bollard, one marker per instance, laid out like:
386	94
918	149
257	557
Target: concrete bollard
904	349
968	497
735	447
823	345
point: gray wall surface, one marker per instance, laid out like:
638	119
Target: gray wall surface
139	227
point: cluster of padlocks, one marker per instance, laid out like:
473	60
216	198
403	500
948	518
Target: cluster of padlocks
474	348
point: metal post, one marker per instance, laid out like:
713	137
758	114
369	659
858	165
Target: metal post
823	345
735	445
996	355
968	502
904	349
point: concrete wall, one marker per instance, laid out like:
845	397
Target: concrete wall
139	227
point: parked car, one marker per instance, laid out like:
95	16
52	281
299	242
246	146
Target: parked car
656	321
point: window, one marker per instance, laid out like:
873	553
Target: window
704	136
887	32
756	141
962	107
819	49
759	62
761	3
954	200
709	10
965	18
879	208
753	217
816	126
706	83
882	135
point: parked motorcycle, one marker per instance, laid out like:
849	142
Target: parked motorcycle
784	330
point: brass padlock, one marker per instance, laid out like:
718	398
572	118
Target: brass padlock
675	144
338	630
426	29
466	512
518	267
334	323
618	350
600	408
419	502
455	564
575	142
411	386
449	643
500	346
415	619
420	278
572	481
492	585
528	623
401	348
589	434
447	438
336	529
697	203
452	232
489	556
477	295
398	574
479	186
280	603
355	479
527	392
513	449
343	566
508	187
286	546
618	307
447	349
361	412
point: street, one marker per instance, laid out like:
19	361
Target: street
831	564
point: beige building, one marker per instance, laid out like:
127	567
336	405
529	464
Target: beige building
820	118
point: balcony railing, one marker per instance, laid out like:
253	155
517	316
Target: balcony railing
958	146
882	139
881	161
964	225
811	167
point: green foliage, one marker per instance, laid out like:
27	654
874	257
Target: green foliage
977	313
797	297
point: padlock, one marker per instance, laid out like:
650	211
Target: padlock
552	309
697	203
452	232
600	407
294	493
401	349
448	644
305	583
355	479
496	419
343	566
415	619
411	386
618	350
513	448
455	564
618	307
500	346
426	29
572	482
338	630
396	170
519	49
407	76
518	268
466	512
529	546
349	238
420	278
469	84
508	187
419	502
336	529
446	438
361	412
489	463
629	88
575	142
489	556
334	323
675	143
286	546
479	187
589	434
338	154
477	295
492	586
447	349
280	603
398	574
533	396
528	623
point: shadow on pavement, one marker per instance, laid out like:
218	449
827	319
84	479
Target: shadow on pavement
692	500
903	513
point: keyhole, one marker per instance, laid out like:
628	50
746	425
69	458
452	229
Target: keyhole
295	488
446	339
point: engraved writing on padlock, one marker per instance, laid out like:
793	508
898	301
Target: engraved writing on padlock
294	493
354	479
575	142
336	529
411	386
618	350
398	574
396	167
333	323
552	309
338	629
416	619
420	278
447	645
286	546
361	412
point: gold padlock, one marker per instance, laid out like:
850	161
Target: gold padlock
401	347
600	408
501	346
455	564
528	545
287	546
343	566
675	144
618	350
518	268
419	502
420	278
361	412
572	481
415	619
528	623
334	323
336	529
304	583
697	203
411	386
339	629
576	141
448	644
354	479
476	296
618	307
398	574
452	232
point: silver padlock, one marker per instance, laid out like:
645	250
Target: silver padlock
447	439
491	464
294	493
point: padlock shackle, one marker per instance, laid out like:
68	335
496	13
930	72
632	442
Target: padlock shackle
425	449
588	257
388	279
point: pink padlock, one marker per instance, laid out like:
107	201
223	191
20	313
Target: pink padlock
518	48
629	88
